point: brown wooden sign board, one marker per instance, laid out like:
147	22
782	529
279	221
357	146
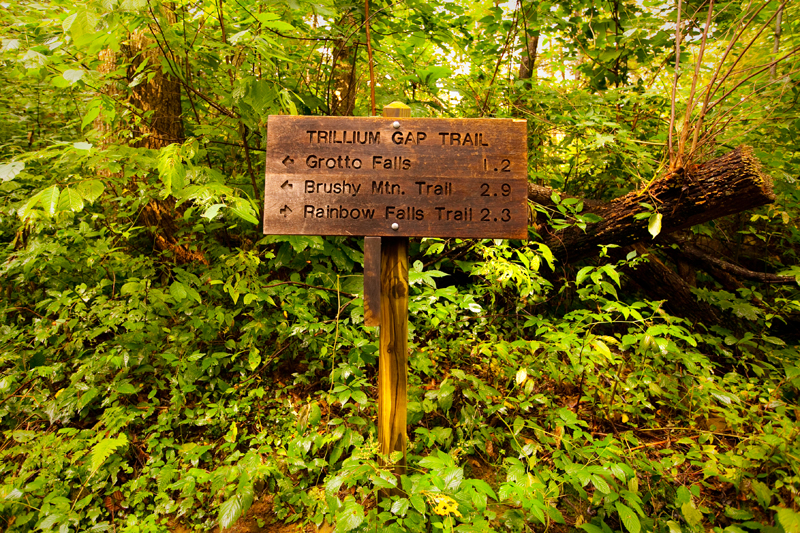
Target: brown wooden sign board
404	177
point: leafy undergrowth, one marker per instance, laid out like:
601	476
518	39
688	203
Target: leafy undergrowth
142	396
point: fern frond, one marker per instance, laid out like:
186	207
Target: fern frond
103	450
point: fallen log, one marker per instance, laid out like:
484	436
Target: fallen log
690	251
729	184
660	282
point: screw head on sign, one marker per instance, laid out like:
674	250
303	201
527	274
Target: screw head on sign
395	226
396	125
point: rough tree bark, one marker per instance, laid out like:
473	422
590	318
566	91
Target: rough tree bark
660	282
342	92
527	65
729	184
158	104
694	253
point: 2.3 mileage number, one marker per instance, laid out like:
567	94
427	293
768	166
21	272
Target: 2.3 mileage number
486	215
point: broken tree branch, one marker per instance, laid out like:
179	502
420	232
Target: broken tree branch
729	184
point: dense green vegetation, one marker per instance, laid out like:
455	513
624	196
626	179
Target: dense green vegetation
165	367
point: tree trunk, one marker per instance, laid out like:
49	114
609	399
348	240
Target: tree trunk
159	99
342	95
528	64
730	184
776	43
159	123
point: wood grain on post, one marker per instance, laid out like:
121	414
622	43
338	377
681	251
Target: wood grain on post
392	363
372	281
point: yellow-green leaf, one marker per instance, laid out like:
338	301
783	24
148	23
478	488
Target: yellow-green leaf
628	517
49	200
789	519
91	190
103	450
654	224
70	200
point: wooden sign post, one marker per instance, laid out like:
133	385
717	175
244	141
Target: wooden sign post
393	347
387	179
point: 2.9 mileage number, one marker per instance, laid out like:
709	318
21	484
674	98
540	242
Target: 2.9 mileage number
486	190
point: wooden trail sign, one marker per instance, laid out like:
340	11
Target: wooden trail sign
389	178
396	176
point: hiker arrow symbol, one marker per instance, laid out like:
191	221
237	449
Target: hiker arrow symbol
285	210
287	161
286	185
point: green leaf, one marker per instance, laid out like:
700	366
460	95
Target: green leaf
693	517
272	21
73	76
193	294
178	291
82	146
603	348
170	169
400	507
674	527
132	5
612	273
103	450
452	477
130	287
314	414
125	388
91	190
81	27
601	484
628	517
654	224
232	433
25	211
49	200
738	514
254	359
555	514
418	503
212	211
519	423
359	397
582	273
349	517
230	511
244	210
92	111
70	200
682	495
10	493
9	170
789	519
34	60
773	340
734	529
482	486
548	255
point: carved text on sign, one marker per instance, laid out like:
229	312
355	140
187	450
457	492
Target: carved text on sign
405	177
